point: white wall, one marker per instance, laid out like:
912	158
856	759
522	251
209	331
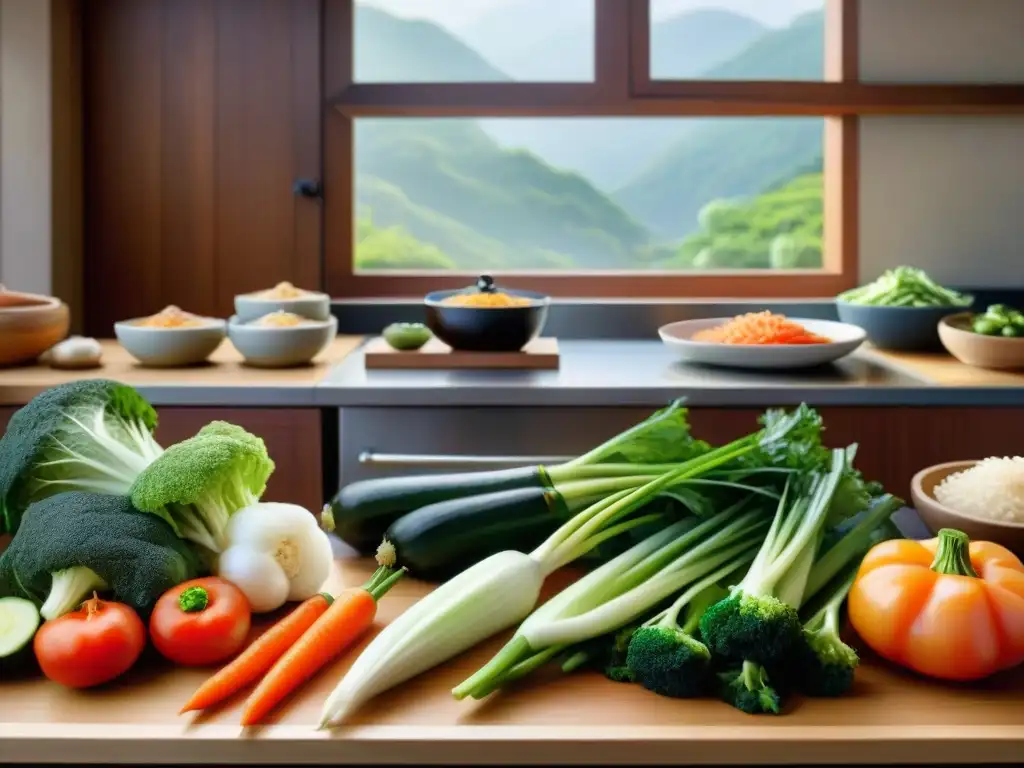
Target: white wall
25	145
943	193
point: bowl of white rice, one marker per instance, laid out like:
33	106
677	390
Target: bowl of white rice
984	499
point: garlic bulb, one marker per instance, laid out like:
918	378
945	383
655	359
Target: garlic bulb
75	352
276	553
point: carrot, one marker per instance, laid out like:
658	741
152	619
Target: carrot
260	656
760	328
344	622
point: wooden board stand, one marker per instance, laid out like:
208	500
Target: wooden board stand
538	355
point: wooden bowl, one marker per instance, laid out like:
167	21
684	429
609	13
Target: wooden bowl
29	325
977	349
937	516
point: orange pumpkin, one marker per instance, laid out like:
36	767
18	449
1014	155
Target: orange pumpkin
947	607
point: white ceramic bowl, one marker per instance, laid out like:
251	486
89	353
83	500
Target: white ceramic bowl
845	339
171	347
312	305
282	347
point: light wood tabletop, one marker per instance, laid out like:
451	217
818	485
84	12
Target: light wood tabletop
225	368
946	371
891	717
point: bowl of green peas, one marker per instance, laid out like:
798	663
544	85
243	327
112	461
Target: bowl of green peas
901	310
994	339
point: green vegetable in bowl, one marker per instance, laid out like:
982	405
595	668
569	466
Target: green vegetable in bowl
905	287
82	436
407	337
999	320
73	543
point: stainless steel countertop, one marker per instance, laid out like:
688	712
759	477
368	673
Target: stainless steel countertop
644	373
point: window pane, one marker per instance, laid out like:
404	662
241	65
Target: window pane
737	39
598	194
474	41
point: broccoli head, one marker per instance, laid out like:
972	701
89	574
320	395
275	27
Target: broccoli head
669	661
757	628
91	435
748	688
73	543
197	484
822	664
664	656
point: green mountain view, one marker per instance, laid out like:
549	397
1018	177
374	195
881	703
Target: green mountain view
618	194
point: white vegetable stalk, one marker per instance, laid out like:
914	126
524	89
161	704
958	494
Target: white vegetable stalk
494	594
624	589
276	553
69	588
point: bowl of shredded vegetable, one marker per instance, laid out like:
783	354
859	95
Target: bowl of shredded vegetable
761	340
901	310
486	318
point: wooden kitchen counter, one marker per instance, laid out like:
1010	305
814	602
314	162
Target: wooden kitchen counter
946	371
891	717
225	370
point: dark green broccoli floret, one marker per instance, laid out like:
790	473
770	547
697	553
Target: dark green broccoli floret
73	543
822	664
197	484
748	689
669	661
744	627
665	657
90	435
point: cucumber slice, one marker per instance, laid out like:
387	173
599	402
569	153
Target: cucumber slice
19	620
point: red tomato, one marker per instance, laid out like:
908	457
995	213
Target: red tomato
90	646
200	622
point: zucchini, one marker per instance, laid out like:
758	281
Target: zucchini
437	541
19	620
363	510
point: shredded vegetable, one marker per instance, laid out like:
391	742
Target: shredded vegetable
760	328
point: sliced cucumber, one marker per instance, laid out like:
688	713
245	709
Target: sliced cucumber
19	620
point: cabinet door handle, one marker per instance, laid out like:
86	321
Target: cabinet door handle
307	188
372	458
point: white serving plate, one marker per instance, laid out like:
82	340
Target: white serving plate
845	339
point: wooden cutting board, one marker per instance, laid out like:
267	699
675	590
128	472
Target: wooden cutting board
538	355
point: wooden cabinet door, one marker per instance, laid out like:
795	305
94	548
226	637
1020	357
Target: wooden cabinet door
201	116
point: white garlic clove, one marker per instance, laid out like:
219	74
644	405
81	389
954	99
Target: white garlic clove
75	352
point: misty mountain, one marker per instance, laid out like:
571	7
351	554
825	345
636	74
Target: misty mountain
609	151
447	183
390	49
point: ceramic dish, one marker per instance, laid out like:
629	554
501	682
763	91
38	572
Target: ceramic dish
845	339
170	347
487	329
900	329
310	304
977	349
937	516
281	347
29	325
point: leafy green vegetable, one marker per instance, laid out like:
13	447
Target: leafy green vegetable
906	287
197	484
93	435
73	543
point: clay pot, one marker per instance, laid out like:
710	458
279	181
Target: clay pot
29	325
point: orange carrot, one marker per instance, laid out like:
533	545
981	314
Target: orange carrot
761	328
348	617
260	656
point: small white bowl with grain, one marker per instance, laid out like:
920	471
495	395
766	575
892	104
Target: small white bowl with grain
171	338
283	297
281	339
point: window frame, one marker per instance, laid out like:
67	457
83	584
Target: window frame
622	86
